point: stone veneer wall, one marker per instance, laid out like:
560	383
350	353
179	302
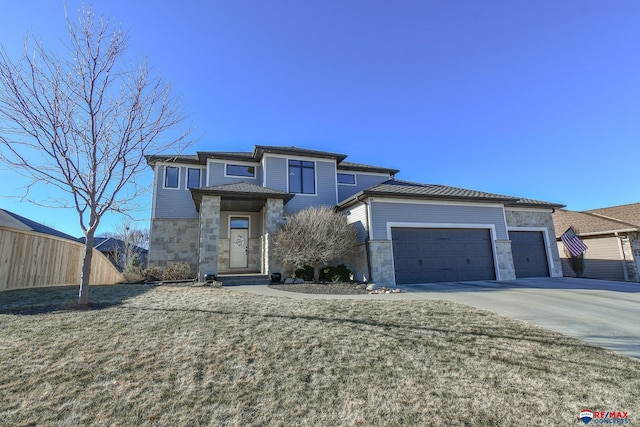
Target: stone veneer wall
174	240
273	212
538	218
356	261
630	264
209	234
381	256
507	270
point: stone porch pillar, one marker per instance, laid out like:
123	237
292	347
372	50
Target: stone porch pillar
209	235
273	213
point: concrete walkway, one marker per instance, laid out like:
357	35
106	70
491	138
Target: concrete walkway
601	312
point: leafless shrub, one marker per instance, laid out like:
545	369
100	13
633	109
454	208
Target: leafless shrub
314	236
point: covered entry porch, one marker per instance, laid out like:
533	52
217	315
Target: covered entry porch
236	224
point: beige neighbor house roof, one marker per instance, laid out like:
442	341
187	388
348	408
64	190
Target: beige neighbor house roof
586	223
626	213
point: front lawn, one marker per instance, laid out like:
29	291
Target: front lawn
203	356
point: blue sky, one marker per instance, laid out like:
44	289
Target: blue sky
533	99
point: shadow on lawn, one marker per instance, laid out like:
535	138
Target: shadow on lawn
51	300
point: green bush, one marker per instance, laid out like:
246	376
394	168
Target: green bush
327	274
304	273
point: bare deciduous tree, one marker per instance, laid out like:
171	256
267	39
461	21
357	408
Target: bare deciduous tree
132	240
314	236
83	122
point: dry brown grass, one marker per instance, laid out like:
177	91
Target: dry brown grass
202	356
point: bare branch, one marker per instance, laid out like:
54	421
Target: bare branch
83	121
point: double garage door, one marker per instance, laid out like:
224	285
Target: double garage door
428	255
425	255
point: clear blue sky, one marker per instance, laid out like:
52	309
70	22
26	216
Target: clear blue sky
538	99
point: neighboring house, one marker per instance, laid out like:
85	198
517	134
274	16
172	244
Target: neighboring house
612	236
12	220
116	250
218	210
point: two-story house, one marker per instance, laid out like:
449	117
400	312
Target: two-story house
218	210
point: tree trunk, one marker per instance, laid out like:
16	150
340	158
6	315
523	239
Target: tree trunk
316	272
83	294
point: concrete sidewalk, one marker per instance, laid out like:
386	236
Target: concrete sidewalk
604	313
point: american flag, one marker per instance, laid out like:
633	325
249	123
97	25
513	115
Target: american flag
573	242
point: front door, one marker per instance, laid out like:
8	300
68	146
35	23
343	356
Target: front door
239	242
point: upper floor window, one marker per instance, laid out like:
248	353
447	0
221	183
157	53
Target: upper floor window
171	174
241	170
193	178
302	177
347	178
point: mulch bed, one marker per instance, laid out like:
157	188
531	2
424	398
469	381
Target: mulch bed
321	288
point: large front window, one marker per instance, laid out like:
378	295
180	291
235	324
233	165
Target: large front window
193	178
171	177
241	170
302	177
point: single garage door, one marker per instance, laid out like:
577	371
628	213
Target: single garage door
529	254
428	255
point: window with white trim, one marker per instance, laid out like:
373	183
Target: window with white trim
347	178
193	178
302	177
171	176
240	170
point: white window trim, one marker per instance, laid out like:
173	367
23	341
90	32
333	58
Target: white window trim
232	215
490	227
315	176
164	177
547	243
355	178
186	184
241	163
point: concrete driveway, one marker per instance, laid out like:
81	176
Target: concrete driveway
601	312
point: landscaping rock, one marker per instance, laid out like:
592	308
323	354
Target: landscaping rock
384	290
288	281
298	281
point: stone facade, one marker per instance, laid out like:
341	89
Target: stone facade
356	261
209	235
629	262
506	269
273	212
528	218
174	240
381	256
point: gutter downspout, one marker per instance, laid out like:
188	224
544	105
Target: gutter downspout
366	239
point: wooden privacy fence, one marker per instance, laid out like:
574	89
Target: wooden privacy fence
35	260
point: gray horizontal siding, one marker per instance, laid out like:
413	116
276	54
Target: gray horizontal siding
381	213
276	177
357	215
172	203
216	175
362	181
601	261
